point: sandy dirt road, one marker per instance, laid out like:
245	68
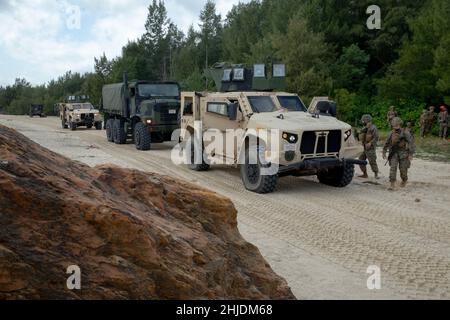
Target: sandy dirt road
321	239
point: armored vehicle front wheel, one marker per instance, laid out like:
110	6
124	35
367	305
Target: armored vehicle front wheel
197	167
338	177
142	137
109	130
72	126
253	178
120	136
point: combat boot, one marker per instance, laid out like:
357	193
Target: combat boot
403	184
364	175
392	187
377	176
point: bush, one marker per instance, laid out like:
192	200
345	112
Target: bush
351	107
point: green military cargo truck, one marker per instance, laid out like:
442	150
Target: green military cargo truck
144	112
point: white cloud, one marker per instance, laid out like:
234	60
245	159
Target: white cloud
35	42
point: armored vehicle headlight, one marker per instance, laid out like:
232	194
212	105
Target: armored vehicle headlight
348	134
149	121
291	138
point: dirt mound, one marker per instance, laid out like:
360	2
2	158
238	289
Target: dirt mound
134	235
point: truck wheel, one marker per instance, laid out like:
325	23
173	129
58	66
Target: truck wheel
120	136
109	130
98	126
253	179
72	126
142	138
338	177
197	167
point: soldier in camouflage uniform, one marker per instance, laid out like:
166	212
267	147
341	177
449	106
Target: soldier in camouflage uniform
369	139
391	115
443	122
430	119
423	123
401	149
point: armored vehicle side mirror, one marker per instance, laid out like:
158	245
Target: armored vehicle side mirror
232	111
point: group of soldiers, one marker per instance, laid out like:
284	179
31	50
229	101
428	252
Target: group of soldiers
428	119
398	149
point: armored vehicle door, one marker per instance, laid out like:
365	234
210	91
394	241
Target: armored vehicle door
220	118
190	112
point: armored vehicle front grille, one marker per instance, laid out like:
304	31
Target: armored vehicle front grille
87	117
164	111
321	142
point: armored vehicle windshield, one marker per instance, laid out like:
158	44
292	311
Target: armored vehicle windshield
292	103
158	90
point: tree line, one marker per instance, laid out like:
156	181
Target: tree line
325	44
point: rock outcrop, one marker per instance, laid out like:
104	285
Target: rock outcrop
134	235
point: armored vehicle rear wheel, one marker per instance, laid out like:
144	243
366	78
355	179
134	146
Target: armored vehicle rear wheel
253	178
120	136
98	126
142	138
109	130
338	177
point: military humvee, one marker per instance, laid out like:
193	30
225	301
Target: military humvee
143	111
308	143
77	112
37	110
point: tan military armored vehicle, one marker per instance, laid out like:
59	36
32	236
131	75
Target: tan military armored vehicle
77	112
306	142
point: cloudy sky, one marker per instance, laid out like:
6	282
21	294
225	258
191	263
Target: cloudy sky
42	39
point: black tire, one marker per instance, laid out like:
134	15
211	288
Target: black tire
98	126
197	167
110	130
72	126
338	177
142	138
120	136
253	179
89	126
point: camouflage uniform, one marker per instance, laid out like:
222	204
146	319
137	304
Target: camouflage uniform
391	115
443	124
423	122
430	119
369	139
400	158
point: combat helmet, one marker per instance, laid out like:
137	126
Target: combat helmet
366	118
397	122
